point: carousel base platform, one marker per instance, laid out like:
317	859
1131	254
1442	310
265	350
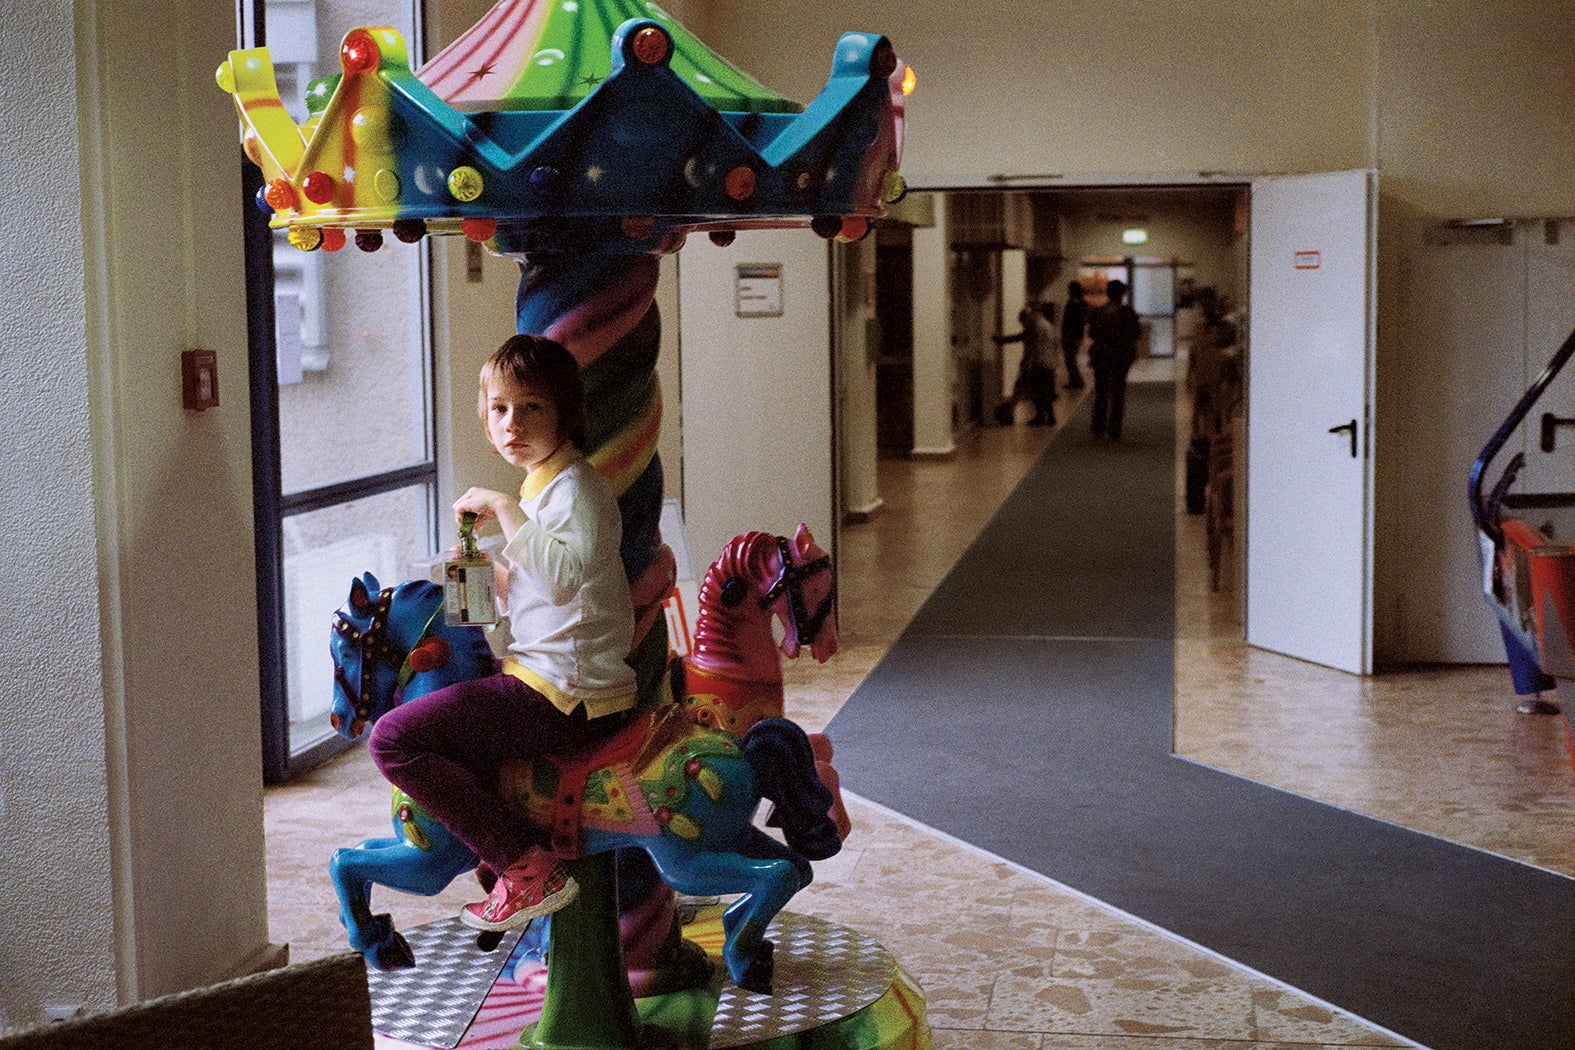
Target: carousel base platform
834	989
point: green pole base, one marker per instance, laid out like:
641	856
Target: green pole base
588	1003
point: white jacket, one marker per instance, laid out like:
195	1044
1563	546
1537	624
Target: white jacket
568	601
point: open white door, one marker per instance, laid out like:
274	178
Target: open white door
1309	444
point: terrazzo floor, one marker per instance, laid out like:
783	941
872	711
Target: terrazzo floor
1008	959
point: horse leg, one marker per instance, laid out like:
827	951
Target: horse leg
820	744
768	876
395	863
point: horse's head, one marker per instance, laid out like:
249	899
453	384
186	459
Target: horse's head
803	596
380	639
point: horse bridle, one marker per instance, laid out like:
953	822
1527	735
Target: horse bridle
374	644
792	581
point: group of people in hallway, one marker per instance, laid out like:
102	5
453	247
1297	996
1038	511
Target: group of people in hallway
1113	331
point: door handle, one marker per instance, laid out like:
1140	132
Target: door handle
1344	428
1550	424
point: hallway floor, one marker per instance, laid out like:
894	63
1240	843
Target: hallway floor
1008	959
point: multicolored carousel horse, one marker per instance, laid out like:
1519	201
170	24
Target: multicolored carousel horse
683	792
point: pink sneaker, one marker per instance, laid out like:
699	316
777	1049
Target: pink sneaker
533	886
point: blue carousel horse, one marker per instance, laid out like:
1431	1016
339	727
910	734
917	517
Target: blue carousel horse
683	793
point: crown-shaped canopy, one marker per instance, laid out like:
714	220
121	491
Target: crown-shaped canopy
570	123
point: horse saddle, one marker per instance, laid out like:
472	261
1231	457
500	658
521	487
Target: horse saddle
635	782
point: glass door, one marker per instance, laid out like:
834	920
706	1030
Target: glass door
1154	299
343	429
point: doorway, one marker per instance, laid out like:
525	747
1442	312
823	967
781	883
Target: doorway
1193	270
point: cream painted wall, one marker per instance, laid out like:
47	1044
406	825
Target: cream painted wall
57	922
757	393
131	776
1476	118
179	593
1091	86
857	452
470	319
934	370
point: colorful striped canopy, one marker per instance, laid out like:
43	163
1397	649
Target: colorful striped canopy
550	54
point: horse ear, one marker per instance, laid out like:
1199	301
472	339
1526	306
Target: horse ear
802	540
361	591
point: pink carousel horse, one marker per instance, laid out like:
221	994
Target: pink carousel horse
733	674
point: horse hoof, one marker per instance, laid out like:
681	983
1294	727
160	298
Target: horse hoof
487	940
393	953
757	975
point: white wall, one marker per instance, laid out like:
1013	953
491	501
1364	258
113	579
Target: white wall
1014	296
54	772
180	605
1484	320
1088	86
934	372
757	393
858	450
131	778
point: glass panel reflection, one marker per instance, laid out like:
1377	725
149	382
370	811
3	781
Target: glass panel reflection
388	535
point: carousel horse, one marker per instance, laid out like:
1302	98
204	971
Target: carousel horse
732	677
684	793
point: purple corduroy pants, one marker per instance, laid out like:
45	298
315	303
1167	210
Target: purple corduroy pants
445	750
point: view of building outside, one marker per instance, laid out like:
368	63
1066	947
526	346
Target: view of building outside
355	398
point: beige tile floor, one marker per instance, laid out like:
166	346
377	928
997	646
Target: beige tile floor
1010	960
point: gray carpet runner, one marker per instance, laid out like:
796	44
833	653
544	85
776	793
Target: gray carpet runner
1027	709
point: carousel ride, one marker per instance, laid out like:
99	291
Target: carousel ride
584	139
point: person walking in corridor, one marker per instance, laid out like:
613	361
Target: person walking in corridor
1036	373
1114	331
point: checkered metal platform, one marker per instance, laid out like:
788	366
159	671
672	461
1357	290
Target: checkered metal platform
434	1002
823	973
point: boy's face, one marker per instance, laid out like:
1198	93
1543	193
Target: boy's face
522	423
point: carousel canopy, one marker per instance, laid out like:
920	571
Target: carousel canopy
569	122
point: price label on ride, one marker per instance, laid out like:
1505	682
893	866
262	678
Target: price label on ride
468	583
468	593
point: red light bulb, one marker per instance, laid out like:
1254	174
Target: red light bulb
358	53
740	183
649	45
318	187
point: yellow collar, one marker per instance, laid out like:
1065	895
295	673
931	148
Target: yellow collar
549	468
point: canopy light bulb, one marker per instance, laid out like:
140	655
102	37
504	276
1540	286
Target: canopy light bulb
1134	236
